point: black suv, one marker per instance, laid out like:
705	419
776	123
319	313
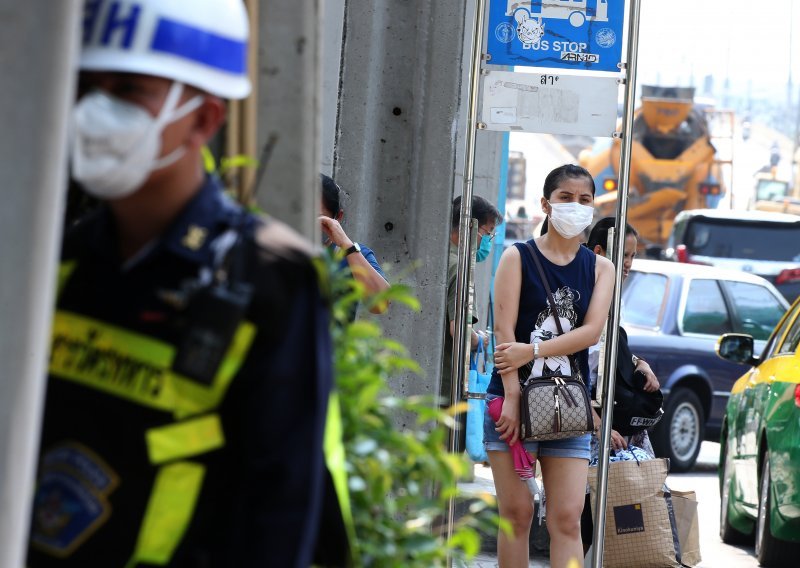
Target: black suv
764	243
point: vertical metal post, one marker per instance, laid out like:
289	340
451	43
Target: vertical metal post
618	255
38	50
289	107
462	278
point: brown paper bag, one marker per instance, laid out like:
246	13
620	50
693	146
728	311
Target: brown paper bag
684	503
639	532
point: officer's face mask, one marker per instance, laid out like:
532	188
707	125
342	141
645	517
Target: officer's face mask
115	143
570	219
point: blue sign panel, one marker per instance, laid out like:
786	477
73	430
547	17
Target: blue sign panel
567	34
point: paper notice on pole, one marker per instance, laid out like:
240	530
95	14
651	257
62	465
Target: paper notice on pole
552	103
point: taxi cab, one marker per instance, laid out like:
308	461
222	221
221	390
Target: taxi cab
760	445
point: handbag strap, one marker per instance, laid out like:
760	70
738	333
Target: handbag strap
551	301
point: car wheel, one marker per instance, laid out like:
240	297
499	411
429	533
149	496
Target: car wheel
680	433
769	550
727	533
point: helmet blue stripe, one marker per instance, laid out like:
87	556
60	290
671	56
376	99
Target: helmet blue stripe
201	46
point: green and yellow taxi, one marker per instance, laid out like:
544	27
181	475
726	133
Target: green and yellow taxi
760	445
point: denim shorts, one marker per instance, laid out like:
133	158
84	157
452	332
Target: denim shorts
577	447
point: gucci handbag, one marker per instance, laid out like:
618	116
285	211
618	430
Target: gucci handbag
556	406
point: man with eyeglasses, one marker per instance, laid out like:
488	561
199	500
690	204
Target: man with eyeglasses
488	218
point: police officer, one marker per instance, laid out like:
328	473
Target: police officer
190	362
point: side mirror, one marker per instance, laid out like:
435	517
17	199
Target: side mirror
737	348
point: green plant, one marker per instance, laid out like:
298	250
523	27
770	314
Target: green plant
400	481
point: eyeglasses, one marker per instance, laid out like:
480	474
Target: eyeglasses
490	235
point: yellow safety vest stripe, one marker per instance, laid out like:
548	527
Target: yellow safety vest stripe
185	439
169	512
333	448
137	367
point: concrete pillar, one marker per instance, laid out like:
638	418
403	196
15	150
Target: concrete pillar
38	50
289	112
399	131
332	40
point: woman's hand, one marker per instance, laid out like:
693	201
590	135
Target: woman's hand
478	337
508	424
651	384
509	357
334	231
618	441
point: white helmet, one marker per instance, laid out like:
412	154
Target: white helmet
202	43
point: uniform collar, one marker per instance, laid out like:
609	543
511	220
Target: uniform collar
208	214
189	236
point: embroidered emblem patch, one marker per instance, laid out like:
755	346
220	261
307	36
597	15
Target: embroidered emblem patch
71	498
195	237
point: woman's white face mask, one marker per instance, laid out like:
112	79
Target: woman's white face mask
570	219
115	143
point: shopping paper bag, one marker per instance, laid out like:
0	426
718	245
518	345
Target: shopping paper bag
639	521
684	503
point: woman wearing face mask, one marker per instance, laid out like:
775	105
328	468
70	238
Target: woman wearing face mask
598	239
358	258
488	217
582	284
597	242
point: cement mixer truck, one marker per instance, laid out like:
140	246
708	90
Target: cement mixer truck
674	165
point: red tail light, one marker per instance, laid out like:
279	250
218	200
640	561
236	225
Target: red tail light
682	254
788	275
709	188
797	396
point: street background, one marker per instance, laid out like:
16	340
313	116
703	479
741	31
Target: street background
544	152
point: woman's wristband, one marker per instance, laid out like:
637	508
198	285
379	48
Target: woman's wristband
535	351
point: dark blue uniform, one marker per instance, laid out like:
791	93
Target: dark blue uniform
143	463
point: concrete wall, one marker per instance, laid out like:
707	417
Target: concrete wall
397	153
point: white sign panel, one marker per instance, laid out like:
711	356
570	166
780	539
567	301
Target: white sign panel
552	102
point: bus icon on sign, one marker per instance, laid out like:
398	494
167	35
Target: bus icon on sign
576	11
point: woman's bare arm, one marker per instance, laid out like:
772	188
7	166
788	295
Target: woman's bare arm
511	356
507	283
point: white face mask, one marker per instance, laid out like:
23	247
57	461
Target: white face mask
570	219
115	144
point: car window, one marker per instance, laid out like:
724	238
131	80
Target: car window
792	340
705	311
643	295
769	348
758	309
736	239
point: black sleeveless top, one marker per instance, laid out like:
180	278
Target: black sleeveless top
572	287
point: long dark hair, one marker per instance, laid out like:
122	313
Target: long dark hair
567	171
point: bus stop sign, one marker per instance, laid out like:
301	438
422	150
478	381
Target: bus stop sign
565	34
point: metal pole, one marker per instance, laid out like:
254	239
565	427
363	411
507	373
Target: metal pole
618	255
38	91
462	274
